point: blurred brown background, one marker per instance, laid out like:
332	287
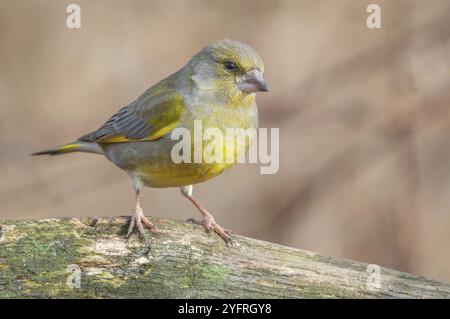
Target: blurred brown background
363	115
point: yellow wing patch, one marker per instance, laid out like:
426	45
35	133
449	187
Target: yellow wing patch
162	117
154	136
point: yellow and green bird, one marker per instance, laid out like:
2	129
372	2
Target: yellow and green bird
217	86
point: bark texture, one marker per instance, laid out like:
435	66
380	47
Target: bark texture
90	258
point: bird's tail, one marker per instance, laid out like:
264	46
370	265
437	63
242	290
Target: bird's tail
78	146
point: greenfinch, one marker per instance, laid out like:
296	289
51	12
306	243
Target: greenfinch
217	86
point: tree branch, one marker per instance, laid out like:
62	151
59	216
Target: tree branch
45	258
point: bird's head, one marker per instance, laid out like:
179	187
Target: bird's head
230	67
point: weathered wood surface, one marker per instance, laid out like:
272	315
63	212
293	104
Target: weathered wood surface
43	258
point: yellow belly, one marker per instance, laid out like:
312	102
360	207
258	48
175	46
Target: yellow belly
173	175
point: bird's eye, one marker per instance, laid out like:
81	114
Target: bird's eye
230	66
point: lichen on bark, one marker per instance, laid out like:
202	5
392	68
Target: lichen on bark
180	261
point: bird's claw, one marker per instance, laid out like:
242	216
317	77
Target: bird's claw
211	225
137	219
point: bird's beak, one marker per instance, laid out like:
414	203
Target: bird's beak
252	81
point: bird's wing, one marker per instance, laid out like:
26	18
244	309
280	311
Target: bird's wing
150	117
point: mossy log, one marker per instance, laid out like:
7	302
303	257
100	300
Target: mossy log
90	258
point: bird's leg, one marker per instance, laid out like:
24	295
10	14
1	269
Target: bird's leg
137	218
208	220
